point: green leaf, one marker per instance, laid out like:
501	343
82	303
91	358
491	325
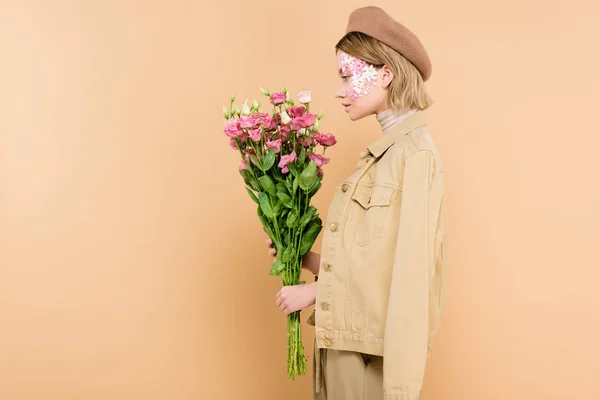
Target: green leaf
252	195
268	160
277	268
277	206
294	169
285	199
309	237
302	156
292	219
307	216
265	204
295	188
288	254
255	161
265	222
282	188
267	183
254	184
315	187
308	176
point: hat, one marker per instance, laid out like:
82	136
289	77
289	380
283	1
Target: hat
375	22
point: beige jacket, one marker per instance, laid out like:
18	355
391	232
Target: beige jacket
381	282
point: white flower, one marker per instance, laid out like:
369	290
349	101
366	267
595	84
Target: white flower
305	97
245	108
302	131
285	118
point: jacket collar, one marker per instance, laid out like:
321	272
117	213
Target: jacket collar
378	147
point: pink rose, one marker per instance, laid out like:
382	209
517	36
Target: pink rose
268	122
296	111
250	122
275	145
309	120
303	122
285	133
278	98
285	160
244	161
255	134
233	129
326	139
233	144
319	159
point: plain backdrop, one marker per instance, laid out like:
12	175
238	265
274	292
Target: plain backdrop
132	263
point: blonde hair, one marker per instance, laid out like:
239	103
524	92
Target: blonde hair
407	89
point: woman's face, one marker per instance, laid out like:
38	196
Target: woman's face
362	88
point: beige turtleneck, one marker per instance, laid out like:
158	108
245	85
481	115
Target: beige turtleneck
390	118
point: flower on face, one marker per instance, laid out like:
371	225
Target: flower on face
326	139
255	134
285	160
296	111
233	129
304	97
275	145
319	159
278	98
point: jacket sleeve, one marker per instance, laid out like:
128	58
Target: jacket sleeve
406	331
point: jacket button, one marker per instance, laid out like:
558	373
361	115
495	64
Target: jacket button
327	267
327	342
333	227
324	306
344	188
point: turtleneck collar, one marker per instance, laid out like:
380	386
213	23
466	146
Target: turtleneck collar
390	118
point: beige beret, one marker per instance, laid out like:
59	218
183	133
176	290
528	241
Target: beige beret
375	22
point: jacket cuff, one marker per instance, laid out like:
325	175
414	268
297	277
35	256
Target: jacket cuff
402	396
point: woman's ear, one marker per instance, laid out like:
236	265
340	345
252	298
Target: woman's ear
386	76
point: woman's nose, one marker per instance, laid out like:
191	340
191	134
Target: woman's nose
340	93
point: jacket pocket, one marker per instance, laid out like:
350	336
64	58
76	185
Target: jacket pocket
371	207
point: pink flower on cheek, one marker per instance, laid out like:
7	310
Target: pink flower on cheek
363	75
319	159
285	160
275	145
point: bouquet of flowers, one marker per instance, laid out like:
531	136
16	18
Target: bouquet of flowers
282	171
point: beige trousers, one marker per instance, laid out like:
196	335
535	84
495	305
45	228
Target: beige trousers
347	375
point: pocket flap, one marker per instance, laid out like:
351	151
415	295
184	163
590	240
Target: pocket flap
371	197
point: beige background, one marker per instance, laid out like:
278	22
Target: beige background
132	265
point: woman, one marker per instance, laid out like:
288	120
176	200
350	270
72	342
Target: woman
380	272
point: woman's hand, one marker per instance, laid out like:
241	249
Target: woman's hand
294	298
310	261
